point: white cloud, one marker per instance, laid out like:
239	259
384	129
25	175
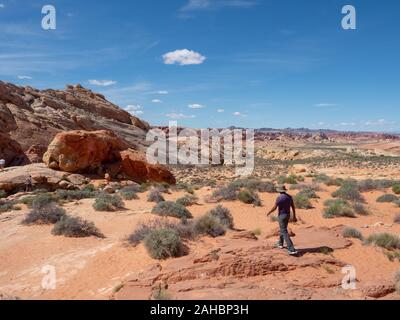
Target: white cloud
133	107
2	6
24	77
102	83
347	124
137	113
238	114
323	105
321	123
163	92
156	101
183	57
177	116
379	122
196	106
195	5
220	110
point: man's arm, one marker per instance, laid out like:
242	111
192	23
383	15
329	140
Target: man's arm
294	212
272	210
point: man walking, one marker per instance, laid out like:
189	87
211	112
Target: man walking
284	203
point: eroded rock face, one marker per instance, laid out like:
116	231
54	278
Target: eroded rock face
135	167
83	151
11	151
34	117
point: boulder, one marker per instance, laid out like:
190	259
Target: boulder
14	178
135	167
378	289
83	151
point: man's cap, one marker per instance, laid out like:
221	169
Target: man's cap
281	188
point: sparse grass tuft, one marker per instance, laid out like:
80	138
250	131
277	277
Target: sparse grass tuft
161	294
228	193
386	198
171	209
3	194
128	195
338	208
396	189
107	202
73	195
349	232
8	206
48	214
163	243
74	227
384	240
360	209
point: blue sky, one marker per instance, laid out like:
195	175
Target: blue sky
251	63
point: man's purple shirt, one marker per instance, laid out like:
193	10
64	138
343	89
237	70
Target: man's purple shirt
284	203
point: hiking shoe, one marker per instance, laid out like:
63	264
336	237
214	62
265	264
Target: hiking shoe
278	246
293	253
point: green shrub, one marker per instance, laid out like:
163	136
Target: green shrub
228	193
73	227
73	195
210	225
338	208
224	215
171	209
248	183
163	243
308	193
349	232
349	191
387	198
3	194
128	195
301	201
41	200
291	179
48	214
187	200
360	209
8	206
397	203
384	240
108	202
155	195
249	197
396	188
266	186
323	178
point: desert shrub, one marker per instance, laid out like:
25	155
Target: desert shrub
184	186
210	225
248	183
228	193
396	188
155	195
74	227
397	203
387	198
384	240
187	200
329	181
224	215
72	195
338	208
309	193
171	209
89	187
291	179
48	214
41	200
266	186
349	232
249	197
161	187
348	191
163	243
301	201
107	202
273	218
306	187
8	206
128	195
3	194
360	209
397	281
397	219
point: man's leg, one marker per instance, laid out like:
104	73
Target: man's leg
283	225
